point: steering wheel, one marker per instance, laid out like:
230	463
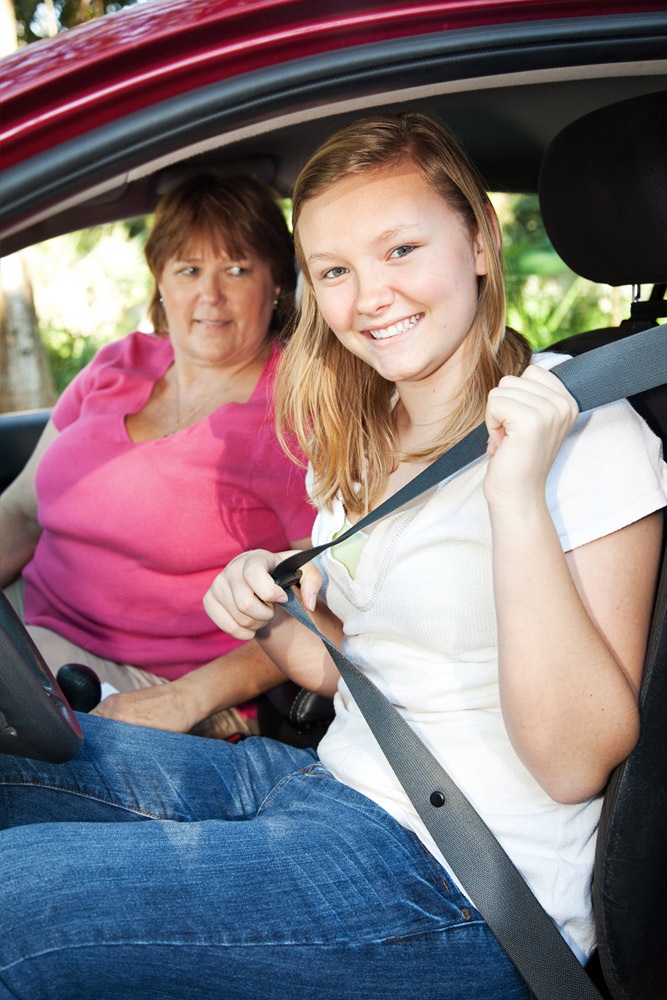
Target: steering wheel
35	718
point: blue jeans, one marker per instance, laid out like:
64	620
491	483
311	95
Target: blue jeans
161	866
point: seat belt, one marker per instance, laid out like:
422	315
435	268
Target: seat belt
489	877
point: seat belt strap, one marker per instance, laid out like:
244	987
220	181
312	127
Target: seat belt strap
496	887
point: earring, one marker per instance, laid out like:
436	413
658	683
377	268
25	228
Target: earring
161	301
275	303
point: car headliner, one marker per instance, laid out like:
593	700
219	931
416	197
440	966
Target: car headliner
97	122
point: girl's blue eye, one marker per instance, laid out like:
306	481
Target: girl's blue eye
334	272
403	250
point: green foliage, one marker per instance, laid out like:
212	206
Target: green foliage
68	354
34	20
89	288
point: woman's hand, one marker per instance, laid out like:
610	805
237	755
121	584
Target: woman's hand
241	600
180	705
160	706
528	418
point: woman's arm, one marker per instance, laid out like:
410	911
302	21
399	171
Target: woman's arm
240	675
572	629
19	528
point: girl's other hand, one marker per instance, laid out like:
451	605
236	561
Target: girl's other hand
309	586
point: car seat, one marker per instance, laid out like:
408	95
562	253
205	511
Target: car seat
603	198
603	195
19	433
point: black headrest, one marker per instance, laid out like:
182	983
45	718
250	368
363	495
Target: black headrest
603	192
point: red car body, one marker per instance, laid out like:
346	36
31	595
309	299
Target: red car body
110	68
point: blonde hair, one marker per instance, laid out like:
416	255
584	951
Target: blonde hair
339	408
235	215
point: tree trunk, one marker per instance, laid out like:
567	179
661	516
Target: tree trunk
25	378
51	18
7	28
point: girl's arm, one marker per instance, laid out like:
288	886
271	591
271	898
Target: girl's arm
572	628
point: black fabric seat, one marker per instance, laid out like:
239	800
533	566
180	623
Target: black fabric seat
603	194
603	198
19	433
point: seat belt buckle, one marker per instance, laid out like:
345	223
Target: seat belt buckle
286	577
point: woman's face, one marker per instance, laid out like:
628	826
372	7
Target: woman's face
395	273
218	307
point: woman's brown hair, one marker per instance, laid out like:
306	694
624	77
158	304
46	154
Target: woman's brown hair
236	215
338	407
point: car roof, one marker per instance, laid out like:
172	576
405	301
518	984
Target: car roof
99	121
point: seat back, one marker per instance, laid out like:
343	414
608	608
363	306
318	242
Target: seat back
630	879
19	433
603	192
603	195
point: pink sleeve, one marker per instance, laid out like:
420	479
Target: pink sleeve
68	407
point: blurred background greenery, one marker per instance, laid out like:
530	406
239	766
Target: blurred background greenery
93	286
89	288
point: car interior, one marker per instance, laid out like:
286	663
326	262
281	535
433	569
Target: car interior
602	184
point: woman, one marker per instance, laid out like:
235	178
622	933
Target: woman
329	886
159	465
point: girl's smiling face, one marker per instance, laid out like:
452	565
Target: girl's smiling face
395	274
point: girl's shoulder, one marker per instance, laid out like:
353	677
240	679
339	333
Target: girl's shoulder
609	473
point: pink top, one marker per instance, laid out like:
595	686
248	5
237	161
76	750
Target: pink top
134	533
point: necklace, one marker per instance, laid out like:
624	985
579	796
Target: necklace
187	419
238	387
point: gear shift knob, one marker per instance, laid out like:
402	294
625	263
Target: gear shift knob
80	685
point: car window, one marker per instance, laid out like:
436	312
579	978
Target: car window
93	286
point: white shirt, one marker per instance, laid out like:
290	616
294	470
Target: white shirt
419	619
